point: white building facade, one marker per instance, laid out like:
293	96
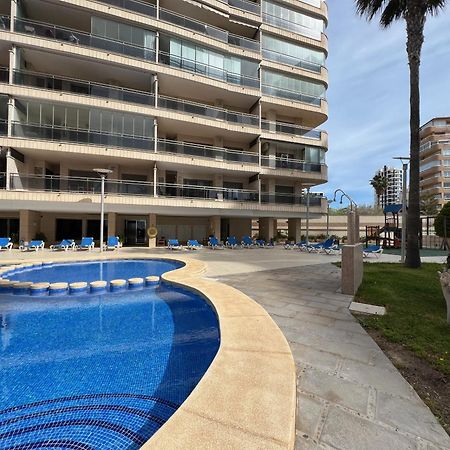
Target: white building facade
393	193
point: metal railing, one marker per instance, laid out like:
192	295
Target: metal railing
291	129
84	39
292	95
246	6
199	109
65	134
207	70
92	186
206	151
291	60
291	26
291	164
58	83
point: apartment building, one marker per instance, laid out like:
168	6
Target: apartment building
393	192
204	112
435	159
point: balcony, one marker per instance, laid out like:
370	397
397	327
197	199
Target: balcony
186	22
292	95
92	186
245	5
5	23
291	129
285	24
207	70
290	60
3	127
81	38
290	164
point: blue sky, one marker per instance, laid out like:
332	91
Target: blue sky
368	94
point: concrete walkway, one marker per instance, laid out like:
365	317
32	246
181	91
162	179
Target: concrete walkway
350	396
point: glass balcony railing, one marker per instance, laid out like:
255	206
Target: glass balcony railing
5	23
3	127
292	95
291	129
246	6
4	75
84	39
207	70
290	199
134	5
57	83
291	60
292	26
2	180
291	164
203	110
206	151
64	134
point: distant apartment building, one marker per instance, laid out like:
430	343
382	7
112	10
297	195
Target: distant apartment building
393	193
205	112
435	159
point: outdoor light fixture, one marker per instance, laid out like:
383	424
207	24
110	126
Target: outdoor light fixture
344	194
405	161
103	174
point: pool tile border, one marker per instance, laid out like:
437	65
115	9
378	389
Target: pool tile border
247	397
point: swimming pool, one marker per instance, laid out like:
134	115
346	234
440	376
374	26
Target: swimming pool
95	270
100	371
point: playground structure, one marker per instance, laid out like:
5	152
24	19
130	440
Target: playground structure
389	235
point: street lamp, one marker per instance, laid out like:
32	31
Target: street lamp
405	161
307	216
103	174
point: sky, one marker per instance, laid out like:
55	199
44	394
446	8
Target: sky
368	95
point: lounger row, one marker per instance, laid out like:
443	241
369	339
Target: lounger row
328	246
86	243
215	244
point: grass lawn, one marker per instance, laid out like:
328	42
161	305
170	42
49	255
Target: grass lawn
416	310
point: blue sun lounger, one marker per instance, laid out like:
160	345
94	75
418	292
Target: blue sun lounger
193	244
65	245
113	243
34	245
5	243
87	243
376	250
173	244
327	246
232	242
215	244
247	242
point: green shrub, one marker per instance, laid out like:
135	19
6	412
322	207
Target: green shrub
442	221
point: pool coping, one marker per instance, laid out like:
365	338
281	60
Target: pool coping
247	397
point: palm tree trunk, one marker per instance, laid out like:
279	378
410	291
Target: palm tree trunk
415	21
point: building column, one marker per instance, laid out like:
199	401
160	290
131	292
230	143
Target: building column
29	224
214	227
295	229
112	224
151	224
267	225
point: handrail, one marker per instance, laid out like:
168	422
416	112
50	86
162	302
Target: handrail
82	38
207	70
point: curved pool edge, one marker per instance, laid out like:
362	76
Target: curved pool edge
247	397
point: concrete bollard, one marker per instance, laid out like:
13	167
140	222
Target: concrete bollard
352	268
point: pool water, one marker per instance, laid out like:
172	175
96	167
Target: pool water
95	270
99	371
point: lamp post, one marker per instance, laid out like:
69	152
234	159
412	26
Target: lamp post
307	216
405	161
103	174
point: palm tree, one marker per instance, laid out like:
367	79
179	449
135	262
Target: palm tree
414	12
380	184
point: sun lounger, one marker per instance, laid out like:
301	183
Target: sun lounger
65	245
215	244
261	243
34	245
375	250
173	244
247	242
87	243
232	242
5	243
193	244
113	243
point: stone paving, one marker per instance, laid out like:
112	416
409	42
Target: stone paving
350	396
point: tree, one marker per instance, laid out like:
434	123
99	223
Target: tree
380	184
429	205
442	222
414	12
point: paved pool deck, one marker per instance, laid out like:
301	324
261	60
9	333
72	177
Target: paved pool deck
349	395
